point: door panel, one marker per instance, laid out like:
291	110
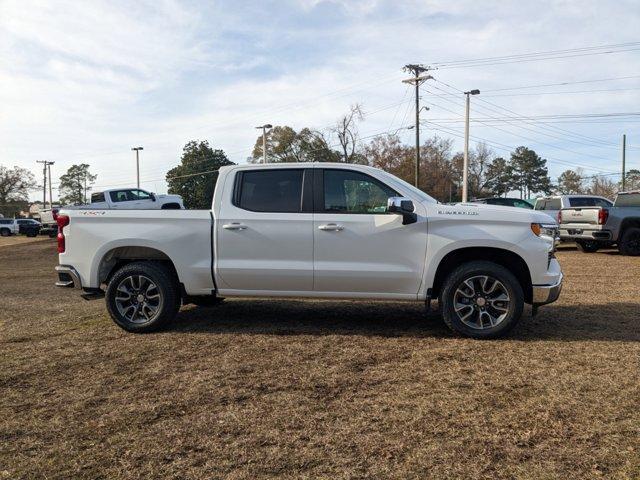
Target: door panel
371	253
368	251
265	250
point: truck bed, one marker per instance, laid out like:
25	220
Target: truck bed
184	236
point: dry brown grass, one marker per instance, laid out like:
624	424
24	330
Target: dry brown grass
267	388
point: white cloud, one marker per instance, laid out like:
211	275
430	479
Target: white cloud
84	81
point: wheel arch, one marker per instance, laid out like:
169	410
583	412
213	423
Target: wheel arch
117	257
506	258
630	222
171	206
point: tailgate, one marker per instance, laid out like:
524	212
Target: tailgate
580	217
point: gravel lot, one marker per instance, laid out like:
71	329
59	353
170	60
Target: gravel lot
307	389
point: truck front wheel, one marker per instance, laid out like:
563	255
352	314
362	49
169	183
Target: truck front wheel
142	297
630	242
481	300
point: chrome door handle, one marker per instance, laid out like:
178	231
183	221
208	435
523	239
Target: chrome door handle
234	226
331	227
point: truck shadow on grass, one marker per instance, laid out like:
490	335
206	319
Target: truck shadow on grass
608	322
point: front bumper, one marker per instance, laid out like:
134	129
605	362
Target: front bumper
68	277
543	294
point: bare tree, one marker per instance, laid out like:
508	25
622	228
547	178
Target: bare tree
603	187
347	132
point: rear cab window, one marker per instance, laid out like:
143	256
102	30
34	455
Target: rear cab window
97	197
589	202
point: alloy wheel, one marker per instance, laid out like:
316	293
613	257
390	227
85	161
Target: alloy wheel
481	302
138	299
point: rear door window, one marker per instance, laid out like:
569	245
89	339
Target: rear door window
277	190
121	196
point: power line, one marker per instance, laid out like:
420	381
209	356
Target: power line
502	146
538	56
526	137
548	128
562	83
535	94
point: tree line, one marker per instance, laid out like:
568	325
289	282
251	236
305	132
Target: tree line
523	171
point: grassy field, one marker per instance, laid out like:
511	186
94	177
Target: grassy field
309	389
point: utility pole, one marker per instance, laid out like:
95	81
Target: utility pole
137	150
50	187
624	158
264	140
465	165
45	165
417	80
85	188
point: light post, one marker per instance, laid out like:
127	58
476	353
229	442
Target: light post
264	140
465	165
137	150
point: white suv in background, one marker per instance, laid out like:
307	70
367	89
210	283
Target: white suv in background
8	226
134	199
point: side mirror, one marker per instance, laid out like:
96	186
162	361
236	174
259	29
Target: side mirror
152	196
402	206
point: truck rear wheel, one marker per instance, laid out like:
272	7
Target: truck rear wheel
588	246
481	300
142	297
630	242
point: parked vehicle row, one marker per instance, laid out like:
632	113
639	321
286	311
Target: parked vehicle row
320	230
15	226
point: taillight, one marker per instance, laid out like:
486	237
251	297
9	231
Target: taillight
603	215
63	221
559	217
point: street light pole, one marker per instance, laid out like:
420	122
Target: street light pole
50	188
465	165
137	150
264	140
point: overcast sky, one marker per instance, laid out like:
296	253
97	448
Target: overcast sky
85	81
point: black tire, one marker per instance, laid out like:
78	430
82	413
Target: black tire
630	242
506	282
588	246
53	234
5	232
166	287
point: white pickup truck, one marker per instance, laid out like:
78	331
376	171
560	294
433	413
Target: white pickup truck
321	230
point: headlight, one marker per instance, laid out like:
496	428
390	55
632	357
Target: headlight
545	230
